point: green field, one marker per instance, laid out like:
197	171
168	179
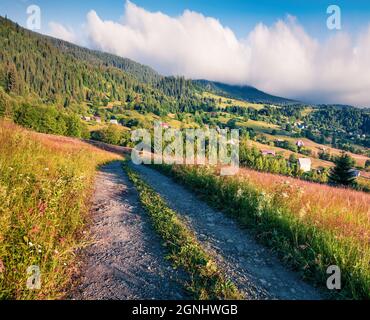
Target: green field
223	102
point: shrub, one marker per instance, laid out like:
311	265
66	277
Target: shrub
48	119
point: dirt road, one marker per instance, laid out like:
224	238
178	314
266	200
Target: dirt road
126	259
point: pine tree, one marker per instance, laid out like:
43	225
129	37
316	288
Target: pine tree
342	173
11	79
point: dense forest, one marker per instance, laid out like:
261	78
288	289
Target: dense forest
58	72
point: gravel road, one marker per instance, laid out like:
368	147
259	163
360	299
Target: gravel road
255	270
126	259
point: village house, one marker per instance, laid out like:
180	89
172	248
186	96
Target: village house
355	173
165	125
97	119
300	144
113	121
268	153
304	164
86	118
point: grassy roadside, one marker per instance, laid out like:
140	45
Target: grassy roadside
309	230
45	186
207	281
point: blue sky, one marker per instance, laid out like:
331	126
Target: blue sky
240	15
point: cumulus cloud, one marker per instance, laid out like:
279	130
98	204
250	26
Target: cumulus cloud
191	45
281	59
59	31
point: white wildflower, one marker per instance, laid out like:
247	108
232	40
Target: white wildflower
239	193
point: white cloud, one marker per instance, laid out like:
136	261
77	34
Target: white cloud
281	59
59	31
190	45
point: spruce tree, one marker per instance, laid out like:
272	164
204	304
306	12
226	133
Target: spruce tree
342	173
11	79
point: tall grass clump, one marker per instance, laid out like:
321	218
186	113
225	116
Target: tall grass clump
206	281
45	184
311	226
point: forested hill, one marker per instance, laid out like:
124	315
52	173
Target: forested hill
141	72
241	92
171	86
62	73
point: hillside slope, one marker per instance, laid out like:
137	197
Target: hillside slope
140	72
57	72
45	186
247	93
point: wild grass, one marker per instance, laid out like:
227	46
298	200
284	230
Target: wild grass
45	184
207	281
311	226
223	102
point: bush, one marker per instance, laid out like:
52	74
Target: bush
5	104
111	134
305	151
48	119
324	155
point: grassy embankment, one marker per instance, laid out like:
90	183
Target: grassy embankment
311	226
207	281
45	185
